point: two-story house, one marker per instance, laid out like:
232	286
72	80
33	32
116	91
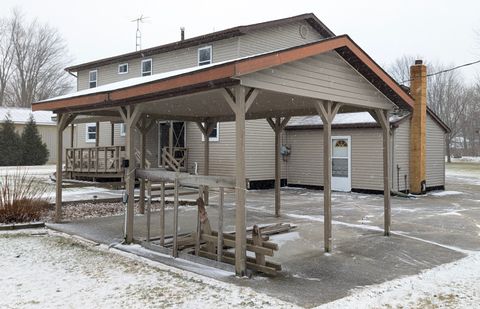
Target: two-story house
232	93
244	41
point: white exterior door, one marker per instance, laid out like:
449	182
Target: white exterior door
341	164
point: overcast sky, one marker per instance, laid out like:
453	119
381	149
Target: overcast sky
442	30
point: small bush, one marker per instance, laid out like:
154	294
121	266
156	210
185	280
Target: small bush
22	198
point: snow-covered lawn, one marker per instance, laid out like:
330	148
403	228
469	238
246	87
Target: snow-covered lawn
453	285
52	270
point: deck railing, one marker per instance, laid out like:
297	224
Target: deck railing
95	159
177	161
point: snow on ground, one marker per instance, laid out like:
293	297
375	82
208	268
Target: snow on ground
453	285
445	193
466	159
56	271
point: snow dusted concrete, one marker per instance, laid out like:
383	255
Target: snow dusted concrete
428	231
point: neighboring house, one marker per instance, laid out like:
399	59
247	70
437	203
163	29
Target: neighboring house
46	126
303	135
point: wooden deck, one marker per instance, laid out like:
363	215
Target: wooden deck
95	162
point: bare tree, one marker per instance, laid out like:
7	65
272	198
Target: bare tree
400	69
447	96
6	57
39	56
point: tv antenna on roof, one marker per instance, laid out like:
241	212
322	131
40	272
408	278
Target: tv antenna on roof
138	35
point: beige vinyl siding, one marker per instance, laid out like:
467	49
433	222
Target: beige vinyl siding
165	62
401	155
259	41
81	132
305	164
274	38
259	144
326	76
222	152
435	154
48	133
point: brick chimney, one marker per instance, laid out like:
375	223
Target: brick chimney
418	134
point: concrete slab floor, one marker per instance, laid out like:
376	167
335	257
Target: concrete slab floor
427	231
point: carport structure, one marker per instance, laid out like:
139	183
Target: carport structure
325	78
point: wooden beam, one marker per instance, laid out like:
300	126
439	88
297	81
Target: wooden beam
327	111
277	124
162	214
72	134
251	96
220	225
240	190
175	219
97	134
63	120
112	133
132	118
383	119
143	150
277	167
230	98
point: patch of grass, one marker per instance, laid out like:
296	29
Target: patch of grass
22	198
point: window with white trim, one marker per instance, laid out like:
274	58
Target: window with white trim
123	68
146	67
92	78
205	55
123	129
90	132
215	135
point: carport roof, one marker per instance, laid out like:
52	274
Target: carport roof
223	74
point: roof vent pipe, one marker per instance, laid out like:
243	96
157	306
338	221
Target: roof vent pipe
182	33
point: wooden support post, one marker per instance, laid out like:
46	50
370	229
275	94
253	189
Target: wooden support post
72	134
199	224
207	129
97	134
175	218
277	125
63	120
149	207
327	111
239	102
131	115
220	225
170	139
383	119
143	149
240	191
112	134
162	214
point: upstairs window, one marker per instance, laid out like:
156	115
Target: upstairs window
205	55
146	67
123	68
92	79
91	132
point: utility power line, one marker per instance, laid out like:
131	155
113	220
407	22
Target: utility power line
446	70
